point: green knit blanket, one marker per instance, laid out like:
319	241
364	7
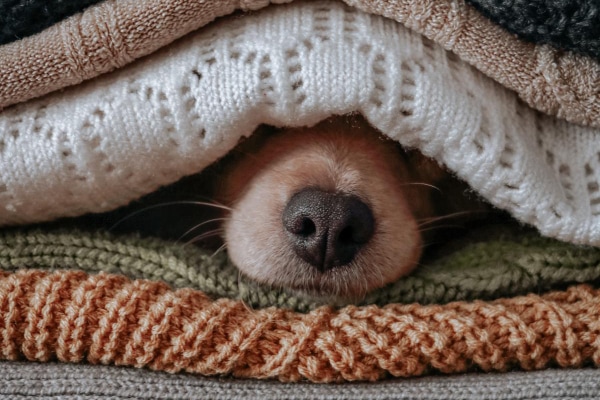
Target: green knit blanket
504	264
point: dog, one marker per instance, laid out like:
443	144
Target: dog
335	210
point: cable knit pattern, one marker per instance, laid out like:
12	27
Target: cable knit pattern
572	24
109	319
115	32
502	265
185	107
21	18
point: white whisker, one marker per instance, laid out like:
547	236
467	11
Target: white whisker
166	204
440	227
221	248
199	225
427	221
422	184
205	235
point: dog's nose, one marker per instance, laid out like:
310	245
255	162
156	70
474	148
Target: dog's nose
327	229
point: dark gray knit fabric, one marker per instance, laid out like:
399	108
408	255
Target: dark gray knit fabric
22	380
21	18
564	24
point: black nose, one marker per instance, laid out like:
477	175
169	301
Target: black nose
327	229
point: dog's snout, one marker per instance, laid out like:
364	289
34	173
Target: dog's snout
327	229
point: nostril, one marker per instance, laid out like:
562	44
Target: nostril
347	235
354	221
304	213
302	226
351	227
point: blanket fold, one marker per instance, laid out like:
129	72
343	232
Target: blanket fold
79	382
511	301
572	25
22	18
505	264
114	33
109	319
168	111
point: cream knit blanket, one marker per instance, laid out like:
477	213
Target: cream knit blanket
103	143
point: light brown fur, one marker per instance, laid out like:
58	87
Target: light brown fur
338	155
409	196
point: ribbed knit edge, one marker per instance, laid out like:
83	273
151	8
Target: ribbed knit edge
503	265
71	317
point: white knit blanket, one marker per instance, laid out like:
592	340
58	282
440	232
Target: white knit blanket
111	140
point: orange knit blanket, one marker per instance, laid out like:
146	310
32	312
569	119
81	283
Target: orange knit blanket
72	316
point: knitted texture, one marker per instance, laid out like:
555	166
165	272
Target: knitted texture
21	18
24	380
116	32
499	266
108	319
100	39
572	25
295	64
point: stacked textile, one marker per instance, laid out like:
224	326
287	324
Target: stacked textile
524	301
68	381
570	25
21	18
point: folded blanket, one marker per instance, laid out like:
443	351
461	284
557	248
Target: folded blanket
114	33
572	25
501	264
66	381
168	111
108	319
21	18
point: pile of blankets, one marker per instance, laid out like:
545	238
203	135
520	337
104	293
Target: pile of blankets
106	101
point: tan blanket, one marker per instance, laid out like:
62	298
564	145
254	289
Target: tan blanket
114	33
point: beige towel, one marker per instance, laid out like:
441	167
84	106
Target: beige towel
114	33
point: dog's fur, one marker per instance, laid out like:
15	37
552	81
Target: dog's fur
339	155
405	191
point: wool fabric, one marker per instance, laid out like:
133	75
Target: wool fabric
571	25
101	39
114	33
21	18
105	143
107	319
502	265
24	380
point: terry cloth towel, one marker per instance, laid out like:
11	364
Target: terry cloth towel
21	18
73	317
114	33
502	264
572	25
183	108
67	381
